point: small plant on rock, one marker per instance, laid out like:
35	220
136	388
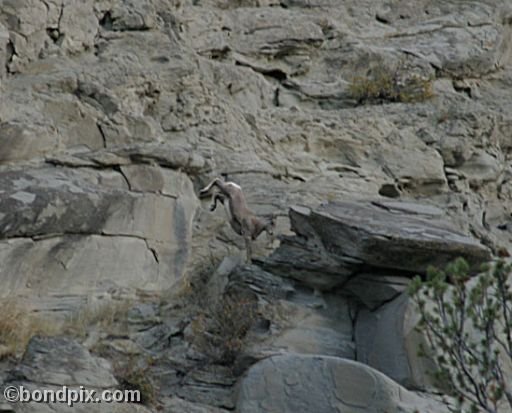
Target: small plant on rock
468	324
388	85
134	376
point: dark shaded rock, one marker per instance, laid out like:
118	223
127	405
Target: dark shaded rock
388	341
254	279
373	290
292	316
211	386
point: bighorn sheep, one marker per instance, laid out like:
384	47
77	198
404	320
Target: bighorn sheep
243	221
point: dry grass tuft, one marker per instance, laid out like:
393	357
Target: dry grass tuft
190	291
104	316
18	325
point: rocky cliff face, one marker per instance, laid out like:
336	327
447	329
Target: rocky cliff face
115	112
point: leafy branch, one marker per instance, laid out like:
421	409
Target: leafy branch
467	323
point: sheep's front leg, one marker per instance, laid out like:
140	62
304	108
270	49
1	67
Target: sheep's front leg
216	197
208	187
248	249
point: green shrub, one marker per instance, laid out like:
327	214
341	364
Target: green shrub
468	324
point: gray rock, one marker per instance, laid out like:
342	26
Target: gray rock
308	261
143	314
316	334
219	280
388	237
87	228
74	122
482	168
175	404
4	41
62	266
130	15
291	383
62	361
211	386
24	141
39	30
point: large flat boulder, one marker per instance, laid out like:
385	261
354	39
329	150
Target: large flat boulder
339	239
391	235
309	384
